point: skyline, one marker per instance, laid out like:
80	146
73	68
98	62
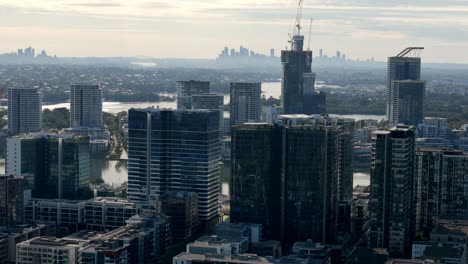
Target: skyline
154	28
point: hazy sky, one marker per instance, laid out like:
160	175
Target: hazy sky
201	28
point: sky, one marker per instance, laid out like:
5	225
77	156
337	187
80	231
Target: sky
201	28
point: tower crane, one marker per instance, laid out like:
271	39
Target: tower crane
297	24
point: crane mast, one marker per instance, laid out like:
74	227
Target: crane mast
296	40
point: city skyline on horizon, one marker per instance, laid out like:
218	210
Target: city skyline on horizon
115	28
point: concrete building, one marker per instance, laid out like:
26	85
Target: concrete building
211	101
53	166
298	95
185	91
48	250
86	106
391	196
411	97
108	213
189	160
24	110
435	252
405	91
12	235
11	200
245	103
270	114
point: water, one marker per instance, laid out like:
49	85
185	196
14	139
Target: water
360	178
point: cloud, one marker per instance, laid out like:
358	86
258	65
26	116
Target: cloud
366	22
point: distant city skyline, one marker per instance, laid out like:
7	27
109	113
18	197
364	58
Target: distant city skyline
152	28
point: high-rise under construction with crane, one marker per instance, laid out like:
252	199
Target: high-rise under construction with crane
298	95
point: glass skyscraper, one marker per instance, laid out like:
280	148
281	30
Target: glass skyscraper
256	183
174	150
54	166
286	176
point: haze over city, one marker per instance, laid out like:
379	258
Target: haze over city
194	29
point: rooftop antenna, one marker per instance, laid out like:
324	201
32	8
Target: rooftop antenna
310	33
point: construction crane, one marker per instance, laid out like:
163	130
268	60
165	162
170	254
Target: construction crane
310	33
297	24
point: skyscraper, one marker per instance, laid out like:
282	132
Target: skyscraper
11	200
256	189
185	91
298	95
391	195
405	91
53	166
245	102
174	150
86	106
285	177
211	101
24	110
346	175
411	101
436	196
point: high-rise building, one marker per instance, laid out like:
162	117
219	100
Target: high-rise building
256	177
174	150
437	173
285	177
411	100
11	200
85	105
405	90
391	183
53	166
346	173
245	102
211	101
24	110
185	91
298	95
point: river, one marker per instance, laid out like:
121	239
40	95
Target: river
115	172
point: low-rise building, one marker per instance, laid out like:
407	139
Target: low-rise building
436	252
108	213
48	250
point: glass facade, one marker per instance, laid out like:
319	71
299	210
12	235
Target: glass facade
53	166
11	200
257	177
175	151
286	178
